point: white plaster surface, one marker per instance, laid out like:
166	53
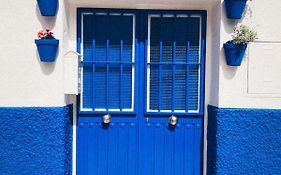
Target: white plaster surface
263	17
24	80
70	73
263	77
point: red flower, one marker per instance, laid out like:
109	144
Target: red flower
45	34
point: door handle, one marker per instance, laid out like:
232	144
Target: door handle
173	120
106	119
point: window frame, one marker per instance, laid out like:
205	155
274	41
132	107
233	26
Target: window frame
80	21
202	42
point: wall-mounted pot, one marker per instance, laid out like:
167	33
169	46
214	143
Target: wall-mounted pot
48	7
47	49
234	53
234	8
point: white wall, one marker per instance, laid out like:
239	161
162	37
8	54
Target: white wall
264	17
25	81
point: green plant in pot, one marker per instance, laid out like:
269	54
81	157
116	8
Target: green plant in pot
235	49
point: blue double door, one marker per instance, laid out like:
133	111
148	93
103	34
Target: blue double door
142	86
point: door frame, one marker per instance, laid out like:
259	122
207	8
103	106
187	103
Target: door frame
141	109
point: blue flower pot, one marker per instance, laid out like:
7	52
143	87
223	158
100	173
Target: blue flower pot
234	53
48	7
47	49
234	8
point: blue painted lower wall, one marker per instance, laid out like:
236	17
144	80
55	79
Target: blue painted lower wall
35	141
244	141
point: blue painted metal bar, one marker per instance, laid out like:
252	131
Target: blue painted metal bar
108	31
186	75
107	112
88	63
143	59
138	71
173	77
173	66
160	76
121	75
202	77
94	71
177	63
160	66
107	75
174	113
99	63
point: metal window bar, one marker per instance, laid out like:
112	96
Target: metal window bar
106	59
94	71
202	69
173	66
160	65
107	74
186	75
121	75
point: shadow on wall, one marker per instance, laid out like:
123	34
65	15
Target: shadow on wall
46	67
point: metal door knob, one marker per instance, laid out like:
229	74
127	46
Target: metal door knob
106	118
173	120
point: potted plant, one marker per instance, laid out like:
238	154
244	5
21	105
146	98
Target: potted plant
48	7
235	49
234	8
47	45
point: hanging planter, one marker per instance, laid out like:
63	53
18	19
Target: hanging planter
47	46
235	49
48	7
234	8
234	53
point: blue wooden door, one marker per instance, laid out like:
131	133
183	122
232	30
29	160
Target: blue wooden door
140	69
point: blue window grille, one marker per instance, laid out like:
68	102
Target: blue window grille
175	62
108	62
